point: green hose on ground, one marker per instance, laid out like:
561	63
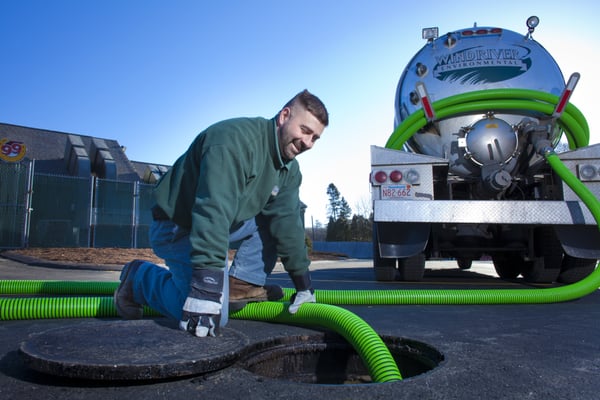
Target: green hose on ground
37	287
359	334
367	343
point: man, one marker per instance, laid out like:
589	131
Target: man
237	186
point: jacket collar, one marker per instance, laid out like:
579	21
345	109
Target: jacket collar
275	153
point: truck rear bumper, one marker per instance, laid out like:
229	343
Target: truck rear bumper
483	211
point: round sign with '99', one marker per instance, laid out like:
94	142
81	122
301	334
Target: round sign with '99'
11	151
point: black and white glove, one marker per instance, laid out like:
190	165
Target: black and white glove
202	308
304	292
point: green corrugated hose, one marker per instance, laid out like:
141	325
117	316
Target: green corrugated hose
358	333
509	100
350	326
369	346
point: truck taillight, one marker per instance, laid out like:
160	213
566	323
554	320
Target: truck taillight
395	176
380	176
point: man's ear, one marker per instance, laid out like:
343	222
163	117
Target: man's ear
284	115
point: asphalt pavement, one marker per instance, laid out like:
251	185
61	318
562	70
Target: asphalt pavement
505	351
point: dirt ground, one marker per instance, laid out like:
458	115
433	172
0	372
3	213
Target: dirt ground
114	256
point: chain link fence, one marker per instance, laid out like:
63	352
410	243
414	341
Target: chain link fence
13	203
43	210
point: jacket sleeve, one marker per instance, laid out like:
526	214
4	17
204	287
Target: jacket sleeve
220	184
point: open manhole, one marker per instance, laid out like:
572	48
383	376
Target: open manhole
330	360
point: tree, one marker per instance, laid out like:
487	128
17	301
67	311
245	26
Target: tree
362	221
361	229
338	228
338	206
343	226
334	201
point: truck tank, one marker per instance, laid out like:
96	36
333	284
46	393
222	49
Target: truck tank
474	59
464	176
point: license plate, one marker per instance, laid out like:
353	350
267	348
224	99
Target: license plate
389	192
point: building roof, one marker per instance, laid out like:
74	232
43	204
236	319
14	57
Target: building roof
63	153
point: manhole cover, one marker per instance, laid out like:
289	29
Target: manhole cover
129	350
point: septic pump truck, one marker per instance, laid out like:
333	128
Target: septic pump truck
463	175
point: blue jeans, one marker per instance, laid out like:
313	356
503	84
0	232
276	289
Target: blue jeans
165	290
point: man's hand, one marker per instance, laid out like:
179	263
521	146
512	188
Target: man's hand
301	297
202	308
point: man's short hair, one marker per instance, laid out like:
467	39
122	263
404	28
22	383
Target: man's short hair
312	104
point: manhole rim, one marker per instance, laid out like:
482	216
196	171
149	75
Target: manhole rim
325	338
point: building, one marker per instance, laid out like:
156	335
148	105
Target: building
71	190
71	154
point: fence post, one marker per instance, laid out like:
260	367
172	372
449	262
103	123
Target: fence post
28	209
135	215
93	214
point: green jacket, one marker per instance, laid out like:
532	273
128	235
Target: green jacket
232	172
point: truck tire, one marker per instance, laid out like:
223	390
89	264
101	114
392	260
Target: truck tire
379	262
385	274
385	268
464	263
537	271
545	268
412	268
574	269
508	266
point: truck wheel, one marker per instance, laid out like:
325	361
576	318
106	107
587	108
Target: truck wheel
379	262
385	268
464	263
549	254
536	271
574	269
412	268
507	266
385	274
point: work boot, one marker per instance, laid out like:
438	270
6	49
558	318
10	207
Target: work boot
242	293
123	297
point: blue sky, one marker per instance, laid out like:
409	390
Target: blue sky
152	74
